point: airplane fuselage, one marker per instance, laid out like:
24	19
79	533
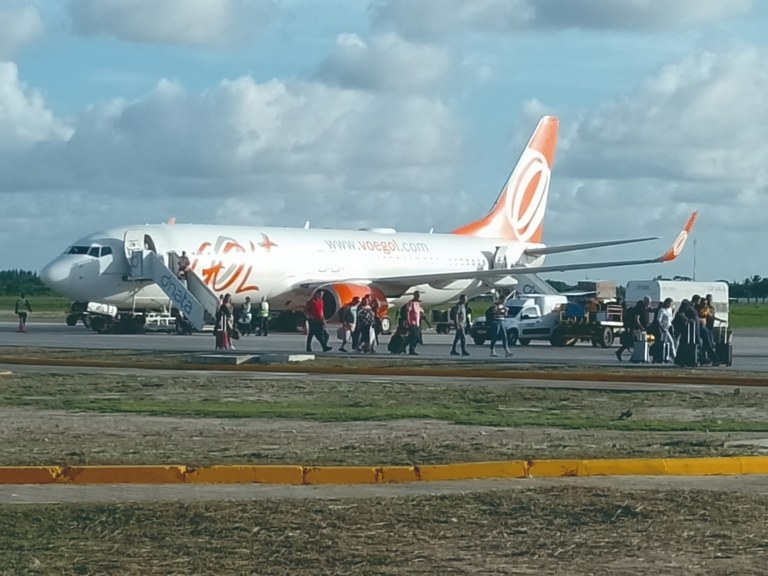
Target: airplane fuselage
284	265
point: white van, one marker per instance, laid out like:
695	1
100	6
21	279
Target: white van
532	317
659	290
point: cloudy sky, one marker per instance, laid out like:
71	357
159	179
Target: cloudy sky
402	113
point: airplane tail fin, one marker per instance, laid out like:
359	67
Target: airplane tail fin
518	212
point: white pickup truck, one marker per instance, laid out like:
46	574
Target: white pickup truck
531	318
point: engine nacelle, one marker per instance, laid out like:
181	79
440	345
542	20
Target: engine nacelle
337	295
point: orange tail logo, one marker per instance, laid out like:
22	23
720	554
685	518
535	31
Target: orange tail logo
519	210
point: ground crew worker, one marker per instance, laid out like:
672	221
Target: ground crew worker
22	308
263	316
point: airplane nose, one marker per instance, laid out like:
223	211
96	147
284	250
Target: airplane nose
57	276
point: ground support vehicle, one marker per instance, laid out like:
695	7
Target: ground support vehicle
107	319
598	325
531	318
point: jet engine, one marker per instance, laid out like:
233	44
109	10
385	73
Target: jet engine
337	295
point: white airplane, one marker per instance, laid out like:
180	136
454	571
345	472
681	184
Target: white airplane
131	267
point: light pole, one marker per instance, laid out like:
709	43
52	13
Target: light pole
694	260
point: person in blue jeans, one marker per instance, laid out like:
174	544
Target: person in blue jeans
459	313
498	331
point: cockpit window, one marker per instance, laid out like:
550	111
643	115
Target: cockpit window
95	251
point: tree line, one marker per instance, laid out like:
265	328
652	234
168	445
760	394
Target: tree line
754	288
15	282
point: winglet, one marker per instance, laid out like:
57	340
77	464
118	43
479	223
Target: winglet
677	245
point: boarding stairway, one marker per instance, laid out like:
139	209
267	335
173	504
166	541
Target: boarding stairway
191	296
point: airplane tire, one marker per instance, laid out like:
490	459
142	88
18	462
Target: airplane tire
71	319
99	325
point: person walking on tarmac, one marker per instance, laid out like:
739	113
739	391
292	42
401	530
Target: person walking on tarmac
263	316
499	331
459	317
22	309
316	320
224	324
413	322
636	322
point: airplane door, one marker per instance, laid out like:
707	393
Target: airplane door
134	240
134	246
500	258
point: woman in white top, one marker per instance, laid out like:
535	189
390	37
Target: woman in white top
665	325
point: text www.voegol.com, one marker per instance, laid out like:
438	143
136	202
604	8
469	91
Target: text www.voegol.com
384	246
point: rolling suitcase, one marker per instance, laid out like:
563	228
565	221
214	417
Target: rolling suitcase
724	345
659	352
640	350
688	351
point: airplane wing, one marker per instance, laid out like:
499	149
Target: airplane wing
672	253
587	246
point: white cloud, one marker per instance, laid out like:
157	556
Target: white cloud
18	27
386	62
691	137
249	153
420	18
195	22
24	118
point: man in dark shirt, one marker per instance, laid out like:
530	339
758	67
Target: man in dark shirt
636	324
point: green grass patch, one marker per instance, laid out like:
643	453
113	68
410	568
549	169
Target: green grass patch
325	401
42	307
749	315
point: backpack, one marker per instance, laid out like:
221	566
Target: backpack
489	313
453	312
342	314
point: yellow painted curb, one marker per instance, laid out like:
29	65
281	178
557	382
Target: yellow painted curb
472	470
256	474
340	475
124	474
246	475
29	474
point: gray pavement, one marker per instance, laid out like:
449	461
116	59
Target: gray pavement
58	494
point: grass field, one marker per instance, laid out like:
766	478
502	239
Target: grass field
48	307
749	315
205	419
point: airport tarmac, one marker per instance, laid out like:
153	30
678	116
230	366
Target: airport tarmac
750	346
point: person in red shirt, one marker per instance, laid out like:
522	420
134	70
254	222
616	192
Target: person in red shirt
316	320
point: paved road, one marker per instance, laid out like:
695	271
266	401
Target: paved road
55	494
750	346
